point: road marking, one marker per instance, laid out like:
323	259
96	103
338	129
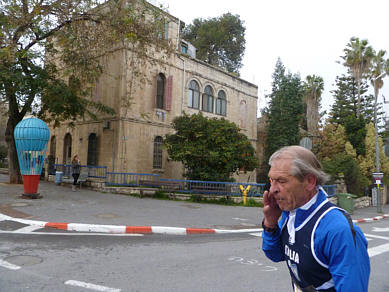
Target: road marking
377	236
91	286
8	265
241	219
373	251
258	234
69	233
379	229
27	229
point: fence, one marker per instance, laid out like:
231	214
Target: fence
93	171
125	179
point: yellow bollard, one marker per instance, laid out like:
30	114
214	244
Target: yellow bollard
244	192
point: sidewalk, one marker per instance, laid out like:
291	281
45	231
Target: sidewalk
87	210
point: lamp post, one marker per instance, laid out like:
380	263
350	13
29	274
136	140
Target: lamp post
377	147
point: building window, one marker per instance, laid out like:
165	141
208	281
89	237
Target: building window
92	150
208	99
67	149
160	90
157	155
184	48
221	103
243	114
194	95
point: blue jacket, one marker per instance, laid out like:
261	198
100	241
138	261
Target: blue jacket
348	263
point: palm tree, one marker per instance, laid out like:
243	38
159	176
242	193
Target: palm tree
377	72
357	58
313	90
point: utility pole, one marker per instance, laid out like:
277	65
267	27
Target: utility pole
377	147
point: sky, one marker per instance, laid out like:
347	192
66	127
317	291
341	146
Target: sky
309	36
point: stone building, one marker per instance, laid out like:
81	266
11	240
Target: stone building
131	141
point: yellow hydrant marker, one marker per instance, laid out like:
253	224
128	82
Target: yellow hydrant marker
244	192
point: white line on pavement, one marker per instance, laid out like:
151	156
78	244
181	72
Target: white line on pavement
8	265
376	236
70	234
379	229
27	229
91	286
373	251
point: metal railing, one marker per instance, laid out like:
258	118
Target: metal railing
93	171
126	179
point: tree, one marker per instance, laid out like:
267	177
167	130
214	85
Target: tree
346	100
357	58
284	112
313	86
343	166
367	162
210	149
356	132
333	141
220	41
50	54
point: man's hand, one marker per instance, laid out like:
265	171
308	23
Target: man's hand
270	210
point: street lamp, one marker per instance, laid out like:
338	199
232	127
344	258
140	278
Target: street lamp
377	148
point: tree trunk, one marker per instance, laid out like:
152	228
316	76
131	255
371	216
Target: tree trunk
13	163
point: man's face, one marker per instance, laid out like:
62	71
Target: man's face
289	192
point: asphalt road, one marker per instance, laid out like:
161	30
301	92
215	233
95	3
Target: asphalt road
47	260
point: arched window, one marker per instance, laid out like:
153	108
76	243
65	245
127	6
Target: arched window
67	149
243	114
53	146
51	157
194	95
160	90
221	103
208	99
157	155
92	149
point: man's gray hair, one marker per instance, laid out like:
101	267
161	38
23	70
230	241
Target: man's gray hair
304	162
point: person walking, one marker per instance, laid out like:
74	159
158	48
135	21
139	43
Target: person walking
76	169
323	249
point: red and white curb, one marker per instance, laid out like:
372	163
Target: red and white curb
117	229
363	220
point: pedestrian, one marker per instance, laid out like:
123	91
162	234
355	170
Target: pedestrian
323	249
76	169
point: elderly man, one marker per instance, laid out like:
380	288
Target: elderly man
323	249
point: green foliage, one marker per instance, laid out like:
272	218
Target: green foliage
343	165
285	111
219	41
313	88
356	133
210	149
333	141
346	101
367	162
357	57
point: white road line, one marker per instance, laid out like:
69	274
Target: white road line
379	229
69	234
373	251
91	286
8	265
27	229
376	236
241	219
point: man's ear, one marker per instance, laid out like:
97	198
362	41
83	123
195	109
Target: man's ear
310	180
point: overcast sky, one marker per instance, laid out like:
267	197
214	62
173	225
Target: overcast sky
308	35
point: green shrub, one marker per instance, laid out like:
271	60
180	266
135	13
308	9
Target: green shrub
345	164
